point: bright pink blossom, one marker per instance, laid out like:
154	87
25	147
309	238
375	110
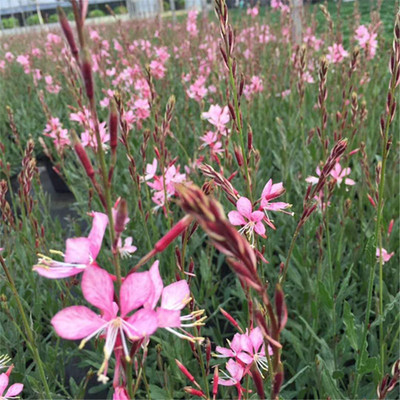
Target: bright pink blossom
236	372
13	391
80	253
253	11
217	116
385	255
79	322
246	217
336	53
339	173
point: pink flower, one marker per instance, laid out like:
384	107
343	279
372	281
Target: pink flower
314	179
198	90
336	53
13	391
367	41
174	298
127	249
55	130
80	253
338	173
270	192
218	117
211	139
151	170
236	372
88	137
253	11
191	24
79	322
385	255
246	217
157	69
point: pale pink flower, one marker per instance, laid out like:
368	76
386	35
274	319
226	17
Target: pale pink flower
252	11
151	170
339	173
336	53
9	56
80	253
367	41
275	4
174	298
88	138
246	217
157	69
142	109
211	139
197	90
13	391
218	117
191	24
270	192
127	249
79	322
385	255
255	86
236	372
55	130
314	179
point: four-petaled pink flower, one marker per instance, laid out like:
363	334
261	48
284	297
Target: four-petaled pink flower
236	374
80	252
336	53
246	217
13	391
79	322
218	117
270	192
339	173
385	255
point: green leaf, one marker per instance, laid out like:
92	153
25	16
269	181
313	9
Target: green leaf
348	319
370	365
324	296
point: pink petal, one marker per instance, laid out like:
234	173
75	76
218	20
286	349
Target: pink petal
77	251
157	284
3	383
279	205
143	323
235	369
243	205
226	382
225	352
96	234
136	290
267	189
98	288
168	318
58	272
76	322
257	339
260	228
257	216
14	390
312	179
246	358
175	296
349	182
235	218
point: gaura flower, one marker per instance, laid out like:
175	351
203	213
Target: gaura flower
218	117
249	219
236	374
174	298
385	255
13	391
79	322
80	252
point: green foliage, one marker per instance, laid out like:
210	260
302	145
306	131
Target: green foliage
120	10
9	23
96	14
32	20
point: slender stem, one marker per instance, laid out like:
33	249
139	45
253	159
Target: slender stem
28	331
239	126
289	255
